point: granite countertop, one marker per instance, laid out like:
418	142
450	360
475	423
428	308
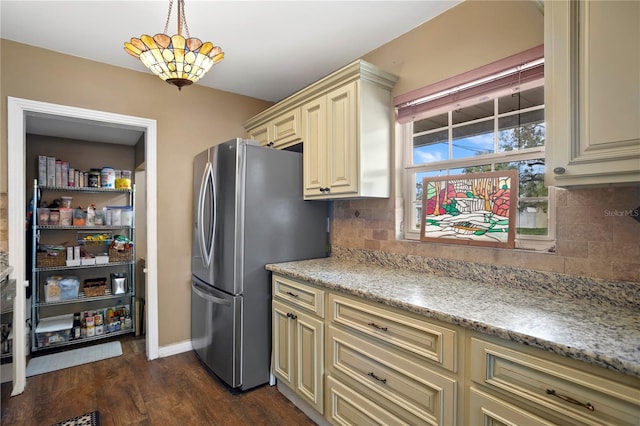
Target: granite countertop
587	329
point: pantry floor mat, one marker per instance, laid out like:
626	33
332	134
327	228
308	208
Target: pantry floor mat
66	359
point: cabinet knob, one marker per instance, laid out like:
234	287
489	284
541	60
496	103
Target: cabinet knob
270	144
559	170
325	190
292	316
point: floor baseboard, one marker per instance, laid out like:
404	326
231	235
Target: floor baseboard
175	349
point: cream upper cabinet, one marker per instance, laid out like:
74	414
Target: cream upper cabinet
347	137
344	122
279	132
314	133
330	149
592	91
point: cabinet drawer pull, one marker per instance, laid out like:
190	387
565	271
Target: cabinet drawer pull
373	324
292	316
571	400
292	294
383	381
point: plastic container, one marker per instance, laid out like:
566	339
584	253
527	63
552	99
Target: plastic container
54	330
54	217
124	181
66	217
69	287
107	177
65	202
79	217
43	216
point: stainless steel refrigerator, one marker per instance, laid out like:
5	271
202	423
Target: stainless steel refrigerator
248	211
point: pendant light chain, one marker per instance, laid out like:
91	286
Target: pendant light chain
182	19
166	25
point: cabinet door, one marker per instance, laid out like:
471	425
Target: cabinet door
592	50
342	140
261	134
282	344
314	130
309	355
285	129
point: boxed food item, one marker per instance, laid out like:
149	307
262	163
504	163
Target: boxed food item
69	287
53	330
88	261
94	287
52	291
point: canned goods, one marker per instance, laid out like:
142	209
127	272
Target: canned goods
108	177
93	178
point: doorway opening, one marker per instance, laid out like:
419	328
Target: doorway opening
23	114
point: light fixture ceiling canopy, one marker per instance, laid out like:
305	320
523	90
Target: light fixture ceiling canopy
175	59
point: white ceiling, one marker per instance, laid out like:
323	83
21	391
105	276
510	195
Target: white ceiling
272	48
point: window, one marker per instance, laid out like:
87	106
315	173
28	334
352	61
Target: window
495	123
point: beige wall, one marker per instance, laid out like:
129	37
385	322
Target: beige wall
187	122
596	235
590	242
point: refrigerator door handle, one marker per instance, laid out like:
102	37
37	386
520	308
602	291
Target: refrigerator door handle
207	181
208	296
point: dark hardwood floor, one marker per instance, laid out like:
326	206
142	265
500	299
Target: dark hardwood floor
130	390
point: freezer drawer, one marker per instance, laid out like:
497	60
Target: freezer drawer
216	331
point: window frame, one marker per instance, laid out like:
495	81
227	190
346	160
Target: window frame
408	230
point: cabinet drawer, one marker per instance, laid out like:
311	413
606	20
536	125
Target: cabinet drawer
488	410
347	407
417	391
299	294
416	336
584	397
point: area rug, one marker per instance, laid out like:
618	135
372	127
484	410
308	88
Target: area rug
66	359
89	419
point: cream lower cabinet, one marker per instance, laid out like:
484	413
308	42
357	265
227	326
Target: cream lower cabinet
298	339
387	367
516	385
365	363
592	104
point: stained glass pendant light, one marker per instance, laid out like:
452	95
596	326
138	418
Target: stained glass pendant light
174	59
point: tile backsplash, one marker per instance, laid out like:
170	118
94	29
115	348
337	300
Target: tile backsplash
597	235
